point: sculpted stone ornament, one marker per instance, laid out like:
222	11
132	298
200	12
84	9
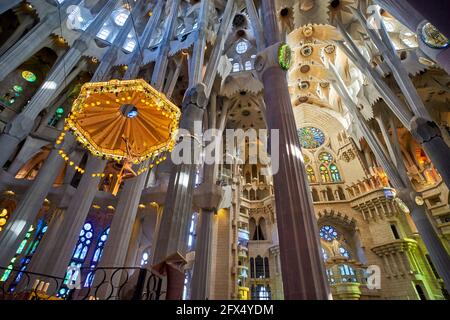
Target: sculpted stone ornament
194	104
278	55
208	196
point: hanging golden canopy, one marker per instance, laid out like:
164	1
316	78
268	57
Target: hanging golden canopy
124	120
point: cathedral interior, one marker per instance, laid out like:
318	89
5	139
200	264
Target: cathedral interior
94	95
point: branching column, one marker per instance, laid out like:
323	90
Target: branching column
301	262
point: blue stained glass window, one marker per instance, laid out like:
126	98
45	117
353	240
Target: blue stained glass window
310	137
344	252
328	233
97	255
335	173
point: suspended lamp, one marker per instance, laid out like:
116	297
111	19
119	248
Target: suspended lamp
127	121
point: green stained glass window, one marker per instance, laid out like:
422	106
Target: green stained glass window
310	174
29	76
324	174
335	173
325	158
310	137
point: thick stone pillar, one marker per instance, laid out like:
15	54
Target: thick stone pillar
56	260
207	196
301	261
29	206
172	235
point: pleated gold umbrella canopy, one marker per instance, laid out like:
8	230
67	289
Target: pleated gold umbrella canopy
124	120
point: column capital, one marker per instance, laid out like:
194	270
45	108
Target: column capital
196	96
278	55
424	130
207	196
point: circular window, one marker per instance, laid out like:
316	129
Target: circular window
29	76
241	47
328	233
306	51
311	137
433	38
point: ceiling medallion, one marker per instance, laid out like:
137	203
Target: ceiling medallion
304	85
306	51
324	84
285	56
305	68
330	48
303	99
431	36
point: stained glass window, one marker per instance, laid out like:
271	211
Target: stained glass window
59	113
29	252
324	254
344	252
324	174
328	233
19	250
310	174
310	137
335	173
326	158
97	255
29	76
4	215
79	256
144	259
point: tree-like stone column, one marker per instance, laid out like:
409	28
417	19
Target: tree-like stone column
301	262
29	206
22	124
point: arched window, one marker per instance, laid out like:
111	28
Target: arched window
19	251
104	33
236	67
248	65
420	292
335	176
266	268
325	158
328	233
97	255
83	244
324	174
344	252
79	256
192	234
310	174
252	268
259	267
315	195
29	252
324	254
144	258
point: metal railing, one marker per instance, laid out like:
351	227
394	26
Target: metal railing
101	283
